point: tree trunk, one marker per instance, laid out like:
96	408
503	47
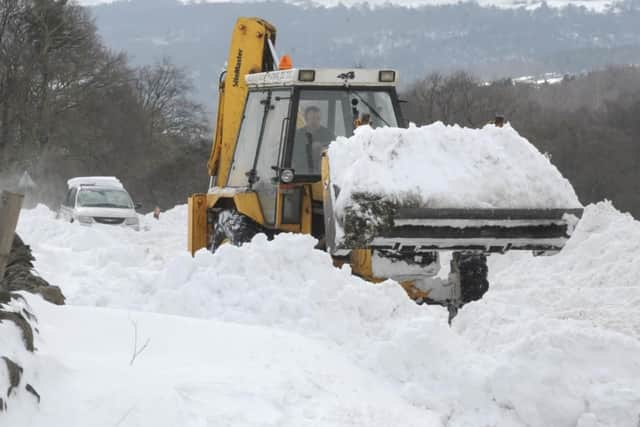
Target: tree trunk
4	132
44	110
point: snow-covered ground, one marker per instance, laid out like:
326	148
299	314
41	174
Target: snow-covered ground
273	334
597	5
546	78
14	353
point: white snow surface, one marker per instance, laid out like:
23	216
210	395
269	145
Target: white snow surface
12	346
595	5
272	334
439	166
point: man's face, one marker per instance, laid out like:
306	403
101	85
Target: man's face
313	119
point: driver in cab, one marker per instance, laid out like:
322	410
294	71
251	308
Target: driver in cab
310	141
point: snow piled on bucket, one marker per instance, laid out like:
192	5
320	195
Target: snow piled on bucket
440	166
555	341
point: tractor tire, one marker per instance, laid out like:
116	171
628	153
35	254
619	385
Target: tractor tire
234	228
473	275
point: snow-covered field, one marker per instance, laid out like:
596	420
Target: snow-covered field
597	5
272	334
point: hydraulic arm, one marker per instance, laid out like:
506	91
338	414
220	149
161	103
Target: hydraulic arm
250	52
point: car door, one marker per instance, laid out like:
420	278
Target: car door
66	209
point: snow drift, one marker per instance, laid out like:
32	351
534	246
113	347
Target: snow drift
555	342
440	166
17	330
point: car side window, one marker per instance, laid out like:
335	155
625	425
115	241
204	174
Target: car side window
71	198
65	202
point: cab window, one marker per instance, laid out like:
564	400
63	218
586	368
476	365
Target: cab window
247	139
269	152
323	115
258	149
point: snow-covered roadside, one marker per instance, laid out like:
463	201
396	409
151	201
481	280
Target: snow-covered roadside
594	5
538	350
198	373
16	358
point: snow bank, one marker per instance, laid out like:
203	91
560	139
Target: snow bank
197	373
567	326
594	5
595	279
16	361
554	342
440	166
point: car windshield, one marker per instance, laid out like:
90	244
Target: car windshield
326	114
104	198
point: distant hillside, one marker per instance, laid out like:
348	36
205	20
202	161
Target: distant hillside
488	41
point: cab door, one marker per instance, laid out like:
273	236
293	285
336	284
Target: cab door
300	202
263	175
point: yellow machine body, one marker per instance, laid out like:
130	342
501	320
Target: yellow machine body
247	54
250	52
269	172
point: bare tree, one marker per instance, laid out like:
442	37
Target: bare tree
451	99
12	74
164	93
579	122
70	106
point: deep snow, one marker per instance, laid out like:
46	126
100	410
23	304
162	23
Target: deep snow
13	347
499	169
597	5
272	334
197	373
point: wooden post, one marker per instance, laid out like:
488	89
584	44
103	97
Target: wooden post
10	205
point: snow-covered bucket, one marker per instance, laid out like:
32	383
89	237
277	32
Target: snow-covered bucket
446	187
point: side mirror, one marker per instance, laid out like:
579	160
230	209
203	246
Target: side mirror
137	206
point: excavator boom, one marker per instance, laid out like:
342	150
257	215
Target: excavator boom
249	53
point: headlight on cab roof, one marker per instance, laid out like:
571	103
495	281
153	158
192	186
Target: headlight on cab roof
306	75
387	76
131	220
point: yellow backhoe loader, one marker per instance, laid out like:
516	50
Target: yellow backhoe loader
269	174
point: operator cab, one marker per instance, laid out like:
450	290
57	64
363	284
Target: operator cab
291	117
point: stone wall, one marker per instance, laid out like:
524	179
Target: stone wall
14	310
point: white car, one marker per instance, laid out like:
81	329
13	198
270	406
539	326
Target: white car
99	199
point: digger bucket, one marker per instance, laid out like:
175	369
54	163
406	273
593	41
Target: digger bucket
378	224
